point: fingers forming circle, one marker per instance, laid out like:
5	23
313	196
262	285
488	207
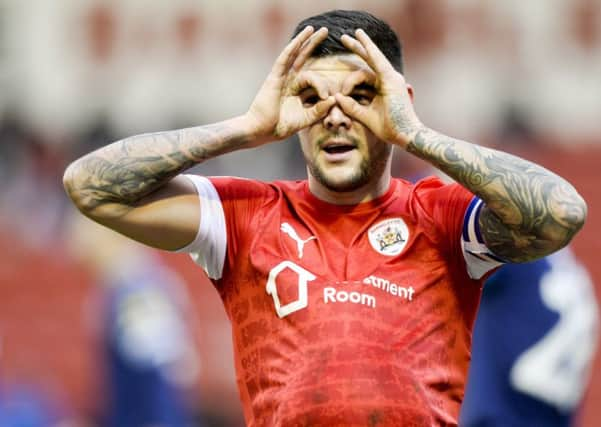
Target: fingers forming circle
284	60
354	46
377	60
356	78
320	109
352	108
308	47
306	78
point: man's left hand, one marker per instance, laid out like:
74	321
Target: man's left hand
390	115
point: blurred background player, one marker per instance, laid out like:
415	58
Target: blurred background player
149	360
533	344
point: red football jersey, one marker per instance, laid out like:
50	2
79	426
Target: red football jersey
345	315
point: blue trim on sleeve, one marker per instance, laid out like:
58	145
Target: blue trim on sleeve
477	223
466	218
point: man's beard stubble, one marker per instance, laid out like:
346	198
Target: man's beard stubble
368	171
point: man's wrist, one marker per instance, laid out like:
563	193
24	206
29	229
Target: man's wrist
250	126
407	138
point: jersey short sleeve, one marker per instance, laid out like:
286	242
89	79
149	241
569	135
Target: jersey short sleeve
209	247
229	208
454	213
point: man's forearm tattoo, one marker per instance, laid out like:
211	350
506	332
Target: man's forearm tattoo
399	113
529	211
128	170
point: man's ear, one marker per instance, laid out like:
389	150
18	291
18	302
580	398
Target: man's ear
410	90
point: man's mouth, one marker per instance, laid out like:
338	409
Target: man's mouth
338	146
338	150
335	149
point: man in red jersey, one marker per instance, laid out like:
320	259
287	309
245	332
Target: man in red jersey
351	294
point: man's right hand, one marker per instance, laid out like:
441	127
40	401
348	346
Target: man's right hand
277	113
132	185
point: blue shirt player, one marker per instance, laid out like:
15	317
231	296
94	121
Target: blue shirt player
533	344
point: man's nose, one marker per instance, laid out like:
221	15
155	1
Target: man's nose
336	118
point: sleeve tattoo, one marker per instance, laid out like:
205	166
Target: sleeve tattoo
530	212
127	170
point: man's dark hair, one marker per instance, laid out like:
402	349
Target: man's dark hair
341	22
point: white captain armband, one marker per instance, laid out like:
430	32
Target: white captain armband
208	248
478	258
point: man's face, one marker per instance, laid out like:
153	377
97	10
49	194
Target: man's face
341	153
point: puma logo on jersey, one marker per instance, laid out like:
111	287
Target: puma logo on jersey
300	243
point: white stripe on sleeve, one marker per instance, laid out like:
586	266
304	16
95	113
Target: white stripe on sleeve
208	248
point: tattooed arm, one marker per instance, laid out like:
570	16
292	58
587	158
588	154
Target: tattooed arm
128	185
132	185
529	212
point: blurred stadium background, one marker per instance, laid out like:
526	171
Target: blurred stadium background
524	76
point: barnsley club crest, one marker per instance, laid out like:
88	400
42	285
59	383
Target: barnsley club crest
389	237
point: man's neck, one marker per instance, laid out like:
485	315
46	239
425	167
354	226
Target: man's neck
366	193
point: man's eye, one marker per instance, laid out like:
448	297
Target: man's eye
362	98
310	100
